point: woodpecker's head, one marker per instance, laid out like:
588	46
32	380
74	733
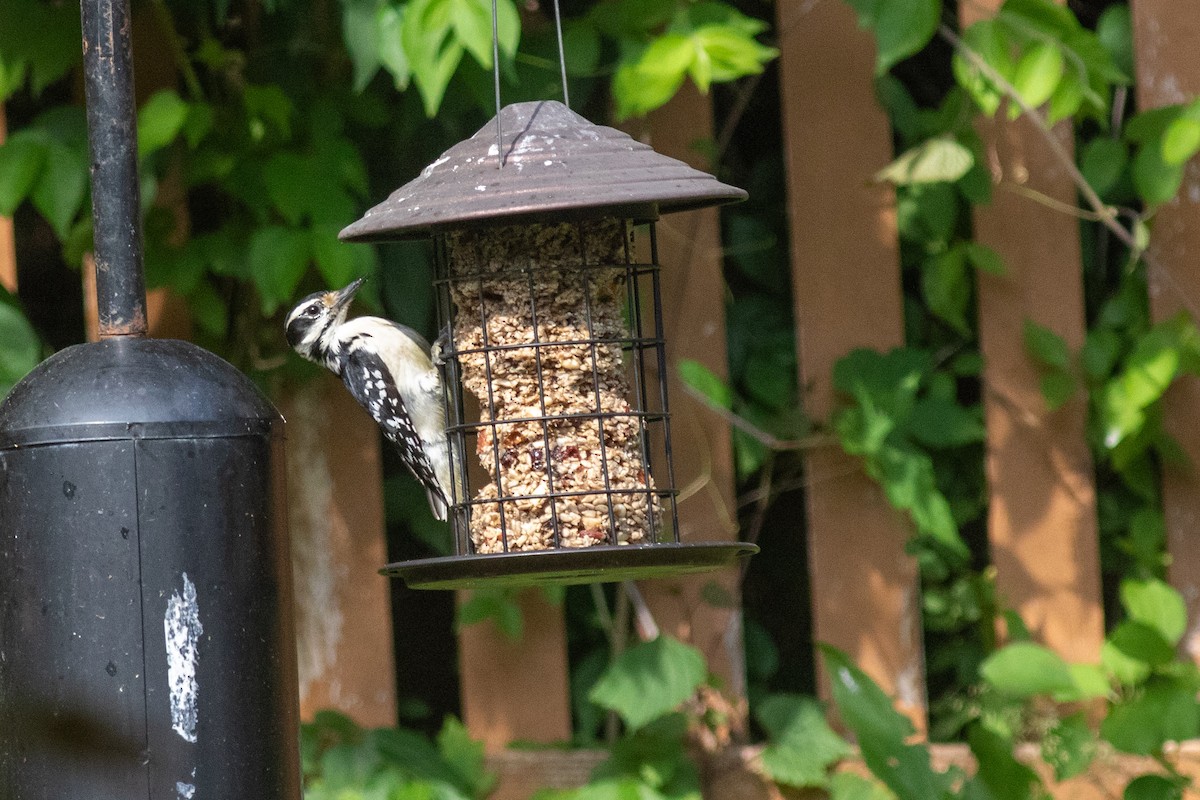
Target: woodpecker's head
310	326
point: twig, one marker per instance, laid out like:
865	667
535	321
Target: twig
758	434
182	63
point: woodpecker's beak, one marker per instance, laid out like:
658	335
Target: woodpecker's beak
340	299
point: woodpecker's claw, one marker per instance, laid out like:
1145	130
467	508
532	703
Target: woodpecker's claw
440	345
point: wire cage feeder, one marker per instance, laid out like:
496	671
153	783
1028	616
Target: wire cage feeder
548	296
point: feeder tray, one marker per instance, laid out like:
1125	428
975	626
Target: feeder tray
565	566
555	327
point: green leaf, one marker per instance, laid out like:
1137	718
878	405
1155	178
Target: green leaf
360	32
1038	73
1102	163
1153	178
389	24
802	747
1005	777
1090	682
940	159
902	27
61	186
20	348
465	756
1164	712
21	161
1156	604
1045	346
649	680
1114	30
882	732
471	21
1181	141
989	40
433	53
946	288
1154	787
848	786
498	605
1069	747
278	258
1058	386
706	382
160	119
1125	670
936	422
1025	669
1142	642
986	259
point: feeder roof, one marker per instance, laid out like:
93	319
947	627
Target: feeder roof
557	166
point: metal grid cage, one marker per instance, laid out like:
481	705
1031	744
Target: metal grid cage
561	438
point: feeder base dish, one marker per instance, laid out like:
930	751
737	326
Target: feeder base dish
563	566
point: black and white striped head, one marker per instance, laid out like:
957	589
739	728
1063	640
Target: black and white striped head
311	326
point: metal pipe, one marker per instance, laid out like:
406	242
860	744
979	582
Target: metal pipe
112	135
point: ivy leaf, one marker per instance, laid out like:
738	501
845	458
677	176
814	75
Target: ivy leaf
882	732
647	81
278	258
1114	30
1025	669
1102	162
21	348
21	161
360	33
389	24
802	747
1181	140
1154	787
902	27
649	680
160	120
498	605
937	422
1156	604
1045	346
988	40
985	258
1037	74
1058	386
1153	178
1142	642
434	54
706	382
1164	712
1069	747
471	21
61	186
1004	777
947	288
936	160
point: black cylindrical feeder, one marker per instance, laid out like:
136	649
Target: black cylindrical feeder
146	644
548	291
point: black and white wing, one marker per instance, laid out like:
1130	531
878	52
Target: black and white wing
372	384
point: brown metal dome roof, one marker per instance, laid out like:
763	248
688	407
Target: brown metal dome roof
556	165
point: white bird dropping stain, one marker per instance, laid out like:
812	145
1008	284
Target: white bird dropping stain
186	791
183	629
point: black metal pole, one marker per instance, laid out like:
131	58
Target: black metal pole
112	134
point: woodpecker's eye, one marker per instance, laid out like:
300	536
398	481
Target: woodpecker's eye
311	311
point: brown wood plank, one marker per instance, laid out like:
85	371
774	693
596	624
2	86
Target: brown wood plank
689	249
335	516
8	244
516	690
1042	505
846	279
1165	36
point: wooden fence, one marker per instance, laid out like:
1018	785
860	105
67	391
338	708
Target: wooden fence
1042	524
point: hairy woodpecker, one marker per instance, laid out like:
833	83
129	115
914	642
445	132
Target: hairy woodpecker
389	370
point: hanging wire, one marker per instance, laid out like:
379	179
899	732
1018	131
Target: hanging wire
496	79
562	55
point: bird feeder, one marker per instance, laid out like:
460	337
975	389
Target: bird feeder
548	296
146	645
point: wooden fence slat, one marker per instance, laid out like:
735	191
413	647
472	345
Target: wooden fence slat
516	690
693	288
1042	502
846	278
1165	36
8	244
335	516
